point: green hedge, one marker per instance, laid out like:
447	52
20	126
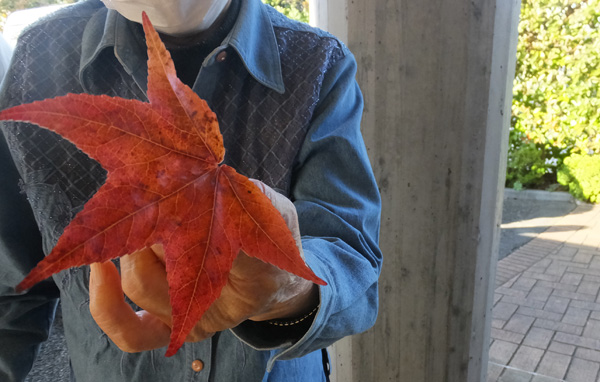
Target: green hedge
582	174
556	93
528	165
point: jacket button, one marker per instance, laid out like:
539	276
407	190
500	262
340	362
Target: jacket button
222	56
197	365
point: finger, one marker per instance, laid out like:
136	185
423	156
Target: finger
130	331
144	281
250	280
159	251
219	317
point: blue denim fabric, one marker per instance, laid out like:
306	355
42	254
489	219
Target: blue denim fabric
289	108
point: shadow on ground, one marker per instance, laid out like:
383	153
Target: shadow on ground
524	219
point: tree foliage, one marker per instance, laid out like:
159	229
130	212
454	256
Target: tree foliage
581	173
556	110
9	6
294	9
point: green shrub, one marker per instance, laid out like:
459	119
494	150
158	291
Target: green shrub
526	165
294	9
582	174
556	103
557	78
531	164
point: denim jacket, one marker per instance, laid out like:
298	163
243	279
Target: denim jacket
289	109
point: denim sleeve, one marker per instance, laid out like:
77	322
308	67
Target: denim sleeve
25	319
339	209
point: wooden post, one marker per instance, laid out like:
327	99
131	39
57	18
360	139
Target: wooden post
437	79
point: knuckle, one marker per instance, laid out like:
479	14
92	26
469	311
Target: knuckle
229	316
102	316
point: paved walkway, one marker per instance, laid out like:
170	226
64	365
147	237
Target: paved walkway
546	317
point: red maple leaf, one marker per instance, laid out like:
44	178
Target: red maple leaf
165	185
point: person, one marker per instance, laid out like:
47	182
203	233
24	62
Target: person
289	109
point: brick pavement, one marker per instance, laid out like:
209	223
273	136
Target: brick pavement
546	316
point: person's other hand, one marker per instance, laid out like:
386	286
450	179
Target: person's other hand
255	290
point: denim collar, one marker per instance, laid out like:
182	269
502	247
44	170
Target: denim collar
252	37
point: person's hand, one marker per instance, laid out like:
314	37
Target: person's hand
255	290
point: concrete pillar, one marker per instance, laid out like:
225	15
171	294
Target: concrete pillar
437	79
